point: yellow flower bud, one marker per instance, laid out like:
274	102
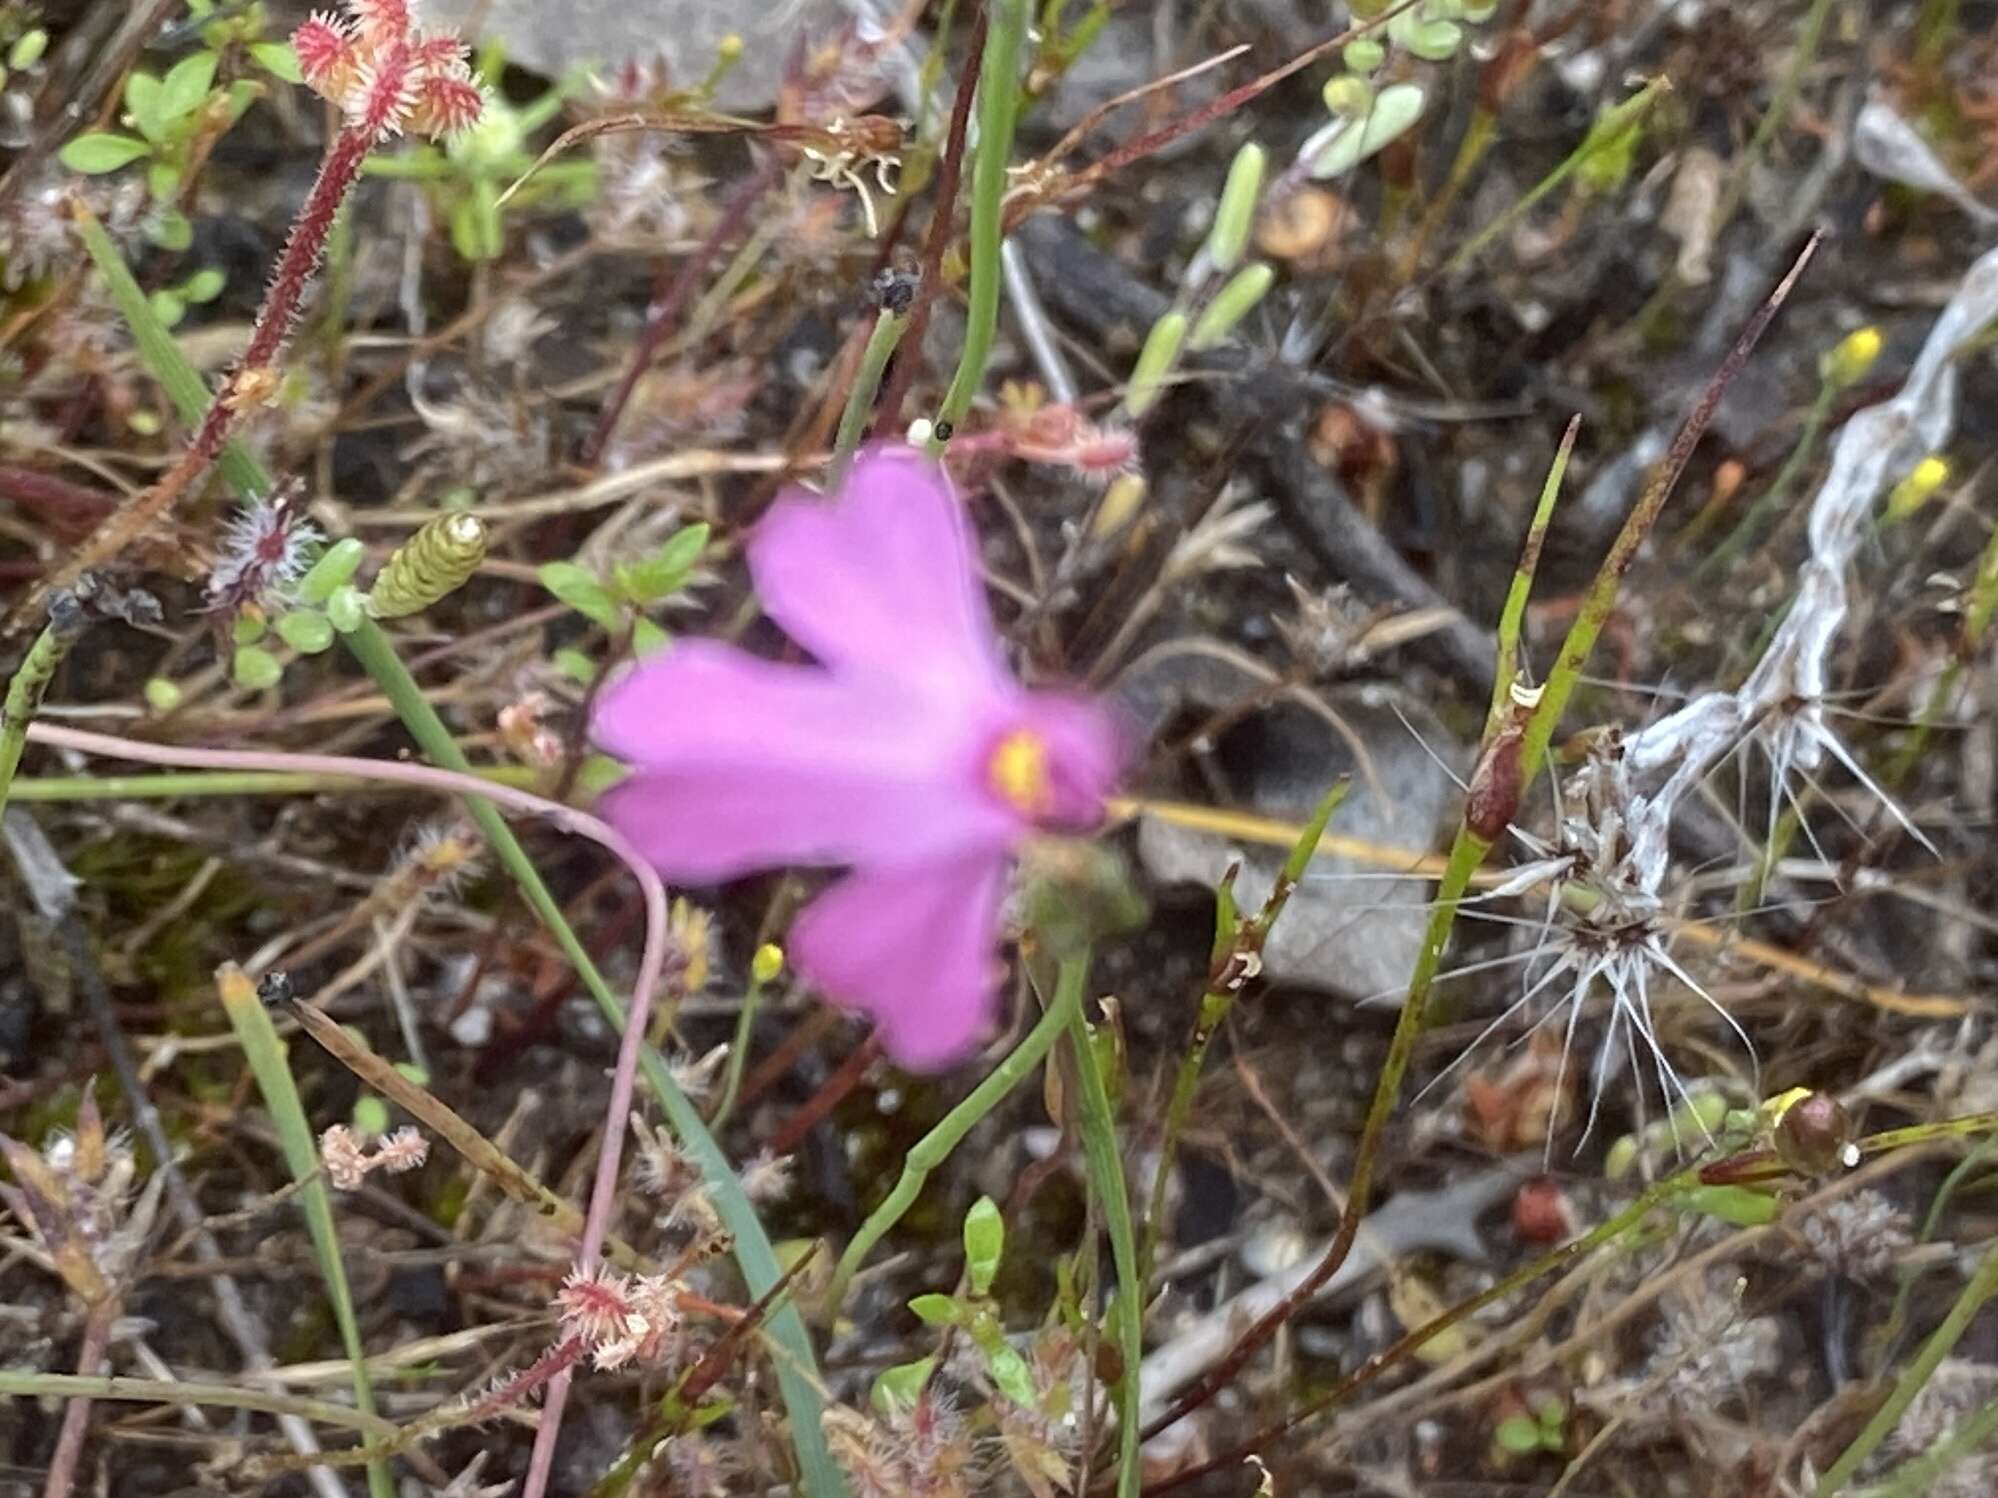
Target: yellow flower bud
1917	489
767	963
1851	357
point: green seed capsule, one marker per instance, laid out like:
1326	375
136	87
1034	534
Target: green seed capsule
305	630
1236	215
434	562
255	669
1155	362
1231	304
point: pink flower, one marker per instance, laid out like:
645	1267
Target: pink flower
908	754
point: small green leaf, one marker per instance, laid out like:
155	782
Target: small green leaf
203	286
28	49
371	1116
346	608
170	230
575	665
984	1242
337	564
666	570
277	58
162	181
581	592
937	1310
1741	1205
900	1387
142	103
248	628
1010	1374
240	95
648	638
186	85
168	308
163	696
255	668
1518	1434
306	630
101	152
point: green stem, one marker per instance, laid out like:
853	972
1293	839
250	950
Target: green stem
927	1153
888	327
224	783
24	697
796	1370
1780	103
1758	514
738	1053
1106	1175
18	1384
998	113
1917	1477
1601	137
1983	1285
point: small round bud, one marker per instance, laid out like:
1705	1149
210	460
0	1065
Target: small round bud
1917	488
1851	357
767	963
1814	1135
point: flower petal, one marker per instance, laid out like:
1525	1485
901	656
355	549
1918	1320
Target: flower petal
882	576
744	764
914	948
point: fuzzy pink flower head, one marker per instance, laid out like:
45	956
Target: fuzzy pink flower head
908	754
385	74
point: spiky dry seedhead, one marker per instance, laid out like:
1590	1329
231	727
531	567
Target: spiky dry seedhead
348	1162
386	75
622	1318
74	1198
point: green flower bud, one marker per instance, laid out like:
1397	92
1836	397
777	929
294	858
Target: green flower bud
1155	363
1850	358
1917	488
767	963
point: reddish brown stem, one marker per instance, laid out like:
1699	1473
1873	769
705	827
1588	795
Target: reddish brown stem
662	316
943	218
76	1415
303	250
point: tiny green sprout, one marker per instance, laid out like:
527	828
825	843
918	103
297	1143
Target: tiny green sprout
939	1310
168	308
1848	360
306	630
984	1243
162	696
1231	304
1917	488
371	1116
334	568
255	669
1235	216
170	229
767	963
1155	362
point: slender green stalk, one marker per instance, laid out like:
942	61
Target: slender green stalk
24	695
1512	618
18	1384
888	328
927	1153
998	113
1601	137
738	1051
1238	947
266	1056
1914	1478
224	783
162	356
1106	1178
1771	501
1982	1286
796	1369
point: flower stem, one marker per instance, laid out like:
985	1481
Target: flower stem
1106	1177
221	783
1983	1285
796	1369
998	113
888	329
935	1147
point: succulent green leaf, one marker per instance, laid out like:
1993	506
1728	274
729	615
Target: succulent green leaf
984	1242
100	151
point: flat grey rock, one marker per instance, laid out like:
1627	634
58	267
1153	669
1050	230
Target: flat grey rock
553	36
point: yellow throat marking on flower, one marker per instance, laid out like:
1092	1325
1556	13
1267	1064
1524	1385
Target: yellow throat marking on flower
1018	771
